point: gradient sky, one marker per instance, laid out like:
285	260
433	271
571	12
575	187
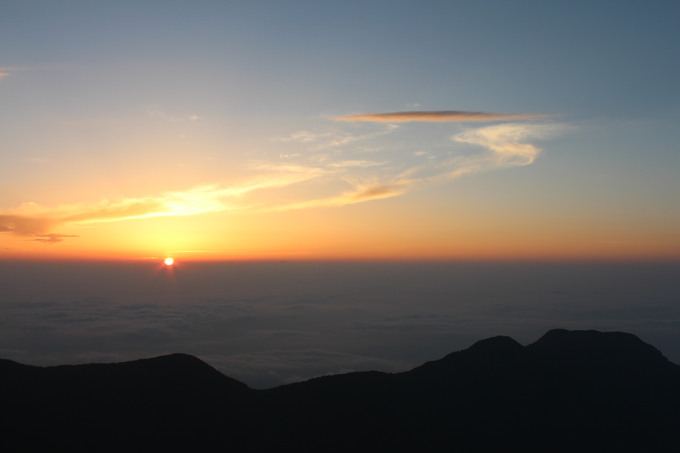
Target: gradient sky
339	130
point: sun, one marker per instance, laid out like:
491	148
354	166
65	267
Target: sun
169	261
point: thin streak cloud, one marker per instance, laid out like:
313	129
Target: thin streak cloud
7	71
334	139
360	194
355	163
441	116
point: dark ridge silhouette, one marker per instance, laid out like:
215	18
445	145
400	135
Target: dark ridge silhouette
568	391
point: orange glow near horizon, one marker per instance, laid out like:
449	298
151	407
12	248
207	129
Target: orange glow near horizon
401	228
276	237
274	211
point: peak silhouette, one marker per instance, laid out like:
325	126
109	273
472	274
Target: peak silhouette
609	347
568	391
499	343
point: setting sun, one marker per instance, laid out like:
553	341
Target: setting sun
169	261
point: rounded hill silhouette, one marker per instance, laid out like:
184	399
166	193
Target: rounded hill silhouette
568	391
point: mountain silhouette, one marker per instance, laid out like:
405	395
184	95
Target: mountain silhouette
568	391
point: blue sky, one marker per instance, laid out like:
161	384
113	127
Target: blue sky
581	59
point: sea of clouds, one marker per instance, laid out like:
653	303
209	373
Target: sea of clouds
271	323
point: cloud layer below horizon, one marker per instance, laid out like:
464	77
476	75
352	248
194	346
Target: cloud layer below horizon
317	318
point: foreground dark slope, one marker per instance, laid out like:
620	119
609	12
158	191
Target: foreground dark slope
569	391
145	402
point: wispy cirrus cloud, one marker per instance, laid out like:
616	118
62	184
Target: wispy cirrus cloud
355	163
503	146
38	221
161	115
343	174
319	141
439	116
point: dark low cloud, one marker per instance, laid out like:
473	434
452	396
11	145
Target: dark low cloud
376	192
33	227
28	225
440	116
53	238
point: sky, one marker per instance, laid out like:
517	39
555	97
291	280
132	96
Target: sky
342	185
373	130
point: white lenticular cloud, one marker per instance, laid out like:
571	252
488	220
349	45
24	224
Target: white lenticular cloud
509	142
